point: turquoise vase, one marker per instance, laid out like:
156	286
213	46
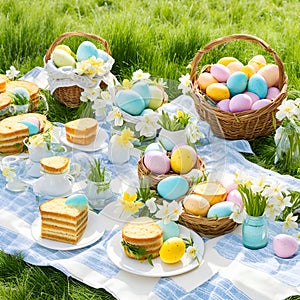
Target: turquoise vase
255	232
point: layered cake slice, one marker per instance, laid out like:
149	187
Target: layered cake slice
62	222
141	238
55	164
81	131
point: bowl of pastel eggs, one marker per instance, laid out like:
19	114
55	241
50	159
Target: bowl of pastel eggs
239	97
208	206
167	172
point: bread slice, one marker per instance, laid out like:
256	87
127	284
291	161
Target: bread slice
61	222
3	81
81	131
213	192
5	100
145	236
55	164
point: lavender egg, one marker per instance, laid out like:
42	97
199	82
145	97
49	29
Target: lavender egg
157	162
220	72
273	92
285	246
224	104
240	102
253	96
260	103
235	197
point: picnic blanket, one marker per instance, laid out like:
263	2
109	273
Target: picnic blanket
227	269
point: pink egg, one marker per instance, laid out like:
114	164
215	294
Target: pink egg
253	96
240	102
224	104
228	183
284	245
273	92
260	103
270	73
235	197
157	162
220	72
34	120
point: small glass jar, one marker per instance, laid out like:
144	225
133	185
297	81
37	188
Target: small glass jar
255	232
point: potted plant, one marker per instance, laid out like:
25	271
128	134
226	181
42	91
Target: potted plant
173	131
98	185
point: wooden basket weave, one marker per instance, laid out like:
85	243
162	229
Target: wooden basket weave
207	227
154	179
249	124
70	95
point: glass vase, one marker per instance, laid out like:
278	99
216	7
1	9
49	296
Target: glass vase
287	140
255	232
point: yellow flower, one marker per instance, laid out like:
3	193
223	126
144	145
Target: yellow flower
179	114
126	84
128	203
125	137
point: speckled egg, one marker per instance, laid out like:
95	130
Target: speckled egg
143	90
235	197
227	60
270	73
130	101
273	92
224	104
220	210
155	147
285	246
170	229
240	102
172	187
260	103
205	79
220	72
157	162
218	91
258	86
86	50
237	83
235	66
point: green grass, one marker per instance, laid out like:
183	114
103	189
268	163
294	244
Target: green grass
159	36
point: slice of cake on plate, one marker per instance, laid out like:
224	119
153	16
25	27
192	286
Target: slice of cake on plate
63	222
55	164
81	131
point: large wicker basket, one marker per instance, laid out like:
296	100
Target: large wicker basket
70	95
249	124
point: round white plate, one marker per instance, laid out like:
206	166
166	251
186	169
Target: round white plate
93	232
39	185
96	145
159	269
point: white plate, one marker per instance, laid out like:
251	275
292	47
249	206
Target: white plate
96	145
159	269
93	232
39	185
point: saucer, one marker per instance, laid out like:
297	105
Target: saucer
39	185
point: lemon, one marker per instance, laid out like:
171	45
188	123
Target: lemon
172	250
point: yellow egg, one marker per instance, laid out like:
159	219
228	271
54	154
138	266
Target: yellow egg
258	61
249	70
172	250
218	91
183	159
235	66
226	60
205	79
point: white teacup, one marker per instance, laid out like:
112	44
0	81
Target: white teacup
57	184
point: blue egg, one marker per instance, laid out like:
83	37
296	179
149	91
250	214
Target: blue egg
170	229
77	200
32	128
103	55
86	50
155	147
143	89
258	85
22	92
147	111
220	210
173	187
130	101
237	83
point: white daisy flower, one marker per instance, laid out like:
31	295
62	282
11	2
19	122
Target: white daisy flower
12	73
185	83
150	203
148	125
115	116
140	75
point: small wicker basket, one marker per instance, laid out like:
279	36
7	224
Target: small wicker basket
70	95
249	124
154	179
207	227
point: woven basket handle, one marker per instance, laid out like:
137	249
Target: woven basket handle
69	34
213	44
